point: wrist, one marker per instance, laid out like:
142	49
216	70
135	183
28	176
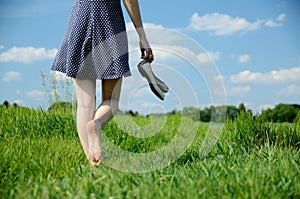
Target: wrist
143	38
141	33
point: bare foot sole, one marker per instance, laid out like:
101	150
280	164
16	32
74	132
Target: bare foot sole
95	151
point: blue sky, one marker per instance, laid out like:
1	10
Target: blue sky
251	46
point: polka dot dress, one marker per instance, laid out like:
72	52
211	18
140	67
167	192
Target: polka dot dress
95	45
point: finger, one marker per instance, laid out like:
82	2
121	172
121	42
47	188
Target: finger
149	55
142	53
150	58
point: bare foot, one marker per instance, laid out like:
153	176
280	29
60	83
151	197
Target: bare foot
95	152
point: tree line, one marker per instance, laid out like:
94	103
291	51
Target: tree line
280	113
214	113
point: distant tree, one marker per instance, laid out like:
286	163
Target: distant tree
205	114
132	113
297	123
232	111
6	103
266	115
242	108
297	119
218	113
285	112
191	112
173	112
60	106
214	113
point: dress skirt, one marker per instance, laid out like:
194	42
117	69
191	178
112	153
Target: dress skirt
95	44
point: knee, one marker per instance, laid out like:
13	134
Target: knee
90	105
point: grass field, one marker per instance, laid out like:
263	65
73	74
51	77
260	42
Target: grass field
41	158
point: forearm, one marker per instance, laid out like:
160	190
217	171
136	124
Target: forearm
133	9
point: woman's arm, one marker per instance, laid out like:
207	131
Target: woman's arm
133	9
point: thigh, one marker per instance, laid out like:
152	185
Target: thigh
111	89
85	91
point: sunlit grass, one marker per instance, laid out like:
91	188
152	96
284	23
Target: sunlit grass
41	157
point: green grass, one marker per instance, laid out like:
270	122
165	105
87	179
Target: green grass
41	158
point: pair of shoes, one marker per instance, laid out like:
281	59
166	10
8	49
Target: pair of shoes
158	87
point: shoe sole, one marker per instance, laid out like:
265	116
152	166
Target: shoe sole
155	83
163	87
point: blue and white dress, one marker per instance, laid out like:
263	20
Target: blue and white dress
95	44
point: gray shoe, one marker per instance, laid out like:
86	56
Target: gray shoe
158	87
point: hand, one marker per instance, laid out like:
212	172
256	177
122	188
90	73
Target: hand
146	51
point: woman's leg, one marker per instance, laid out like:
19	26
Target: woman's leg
111	90
86	102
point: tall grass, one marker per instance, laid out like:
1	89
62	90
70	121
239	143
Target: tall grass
41	158
247	133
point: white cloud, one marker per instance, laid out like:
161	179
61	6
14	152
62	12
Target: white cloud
278	22
222	24
275	76
290	90
173	45
233	91
244	58
207	57
27	54
2	47
169	51
271	23
38	95
219	78
281	17
11	76
130	26
239	90
157	34
59	76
